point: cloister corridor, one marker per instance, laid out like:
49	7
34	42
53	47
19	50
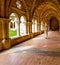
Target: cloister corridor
36	51
29	32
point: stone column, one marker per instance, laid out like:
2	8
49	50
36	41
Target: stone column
59	27
38	27
29	20
4	33
18	29
34	26
30	27
27	27
43	26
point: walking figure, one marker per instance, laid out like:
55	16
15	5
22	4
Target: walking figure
46	31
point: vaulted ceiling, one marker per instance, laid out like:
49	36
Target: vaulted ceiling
42	8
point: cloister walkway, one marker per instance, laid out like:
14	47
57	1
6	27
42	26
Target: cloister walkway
36	51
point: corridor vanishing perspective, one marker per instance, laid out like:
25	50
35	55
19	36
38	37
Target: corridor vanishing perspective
35	51
29	32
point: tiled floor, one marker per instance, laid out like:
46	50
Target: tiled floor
36	51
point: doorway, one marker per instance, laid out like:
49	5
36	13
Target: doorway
54	24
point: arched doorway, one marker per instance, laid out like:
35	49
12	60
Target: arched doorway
13	25
54	24
23	25
34	25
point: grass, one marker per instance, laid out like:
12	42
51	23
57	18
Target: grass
12	33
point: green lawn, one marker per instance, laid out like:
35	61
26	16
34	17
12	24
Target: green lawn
12	33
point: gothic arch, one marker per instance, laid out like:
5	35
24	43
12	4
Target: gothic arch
14	19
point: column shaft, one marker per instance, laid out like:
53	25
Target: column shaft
4	35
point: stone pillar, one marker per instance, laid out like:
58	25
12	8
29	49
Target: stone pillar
18	29
30	27
29	22
4	33
59	27
27	27
34	26
43	26
38	27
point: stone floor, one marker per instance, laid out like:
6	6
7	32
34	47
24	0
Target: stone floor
36	51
